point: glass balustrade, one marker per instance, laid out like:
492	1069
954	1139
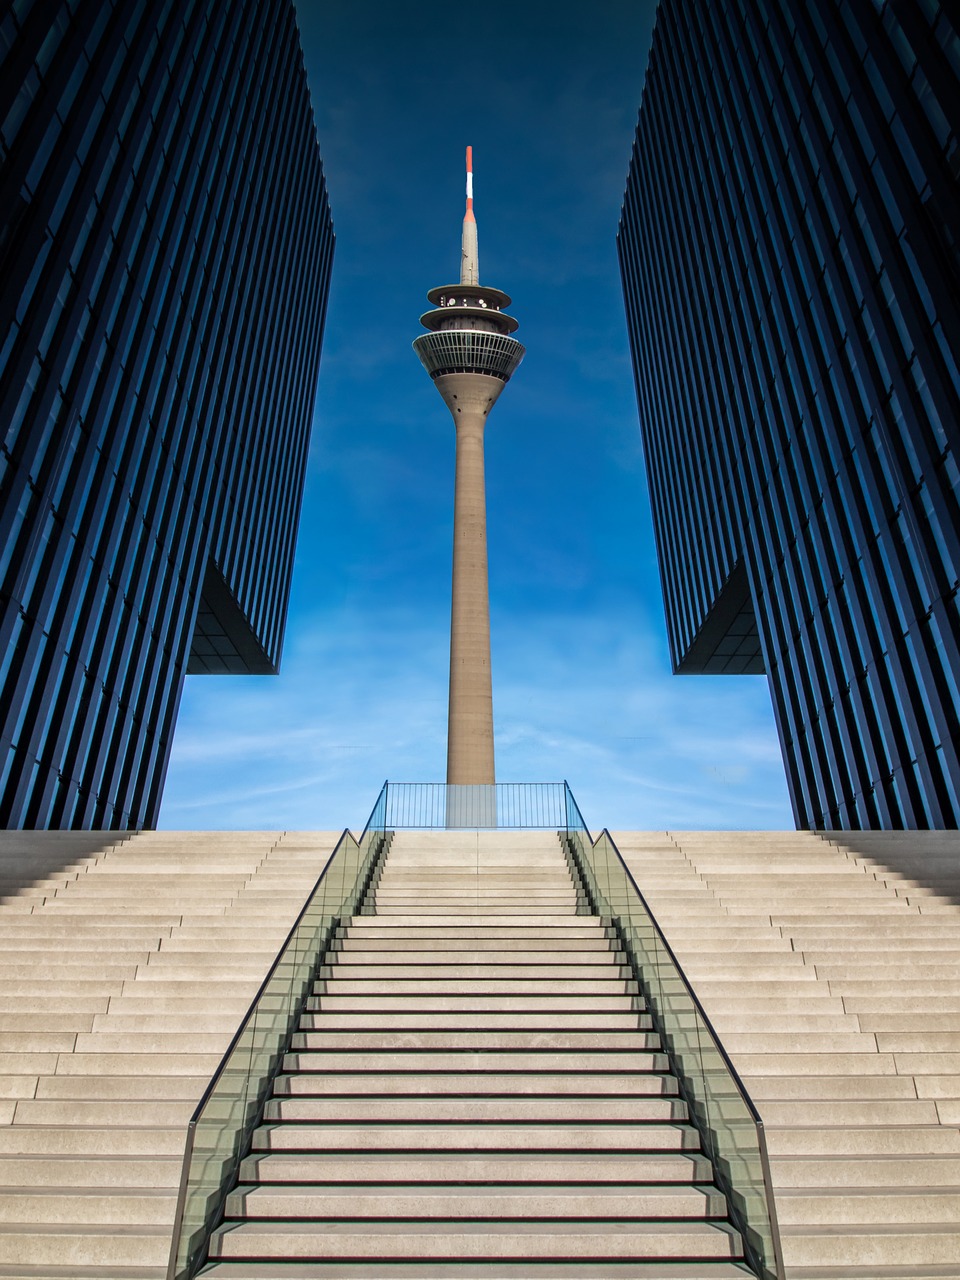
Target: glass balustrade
219	1131
730	1128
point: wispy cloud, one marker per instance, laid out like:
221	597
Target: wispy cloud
577	699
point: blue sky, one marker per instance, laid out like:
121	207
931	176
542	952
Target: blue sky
547	95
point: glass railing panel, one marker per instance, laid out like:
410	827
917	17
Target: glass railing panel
220	1129
730	1128
471	806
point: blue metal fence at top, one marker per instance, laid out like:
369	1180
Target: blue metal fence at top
507	805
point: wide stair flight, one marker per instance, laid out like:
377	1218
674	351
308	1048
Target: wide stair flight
475	1091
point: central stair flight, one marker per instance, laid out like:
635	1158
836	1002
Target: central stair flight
476	1090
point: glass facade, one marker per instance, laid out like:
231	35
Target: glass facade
790	253
165	249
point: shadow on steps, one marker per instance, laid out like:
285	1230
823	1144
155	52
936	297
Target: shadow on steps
33	864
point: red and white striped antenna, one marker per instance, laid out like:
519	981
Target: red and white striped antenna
469	255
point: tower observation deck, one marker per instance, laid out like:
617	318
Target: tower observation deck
470	354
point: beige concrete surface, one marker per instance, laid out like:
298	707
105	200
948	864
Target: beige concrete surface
126	964
831	969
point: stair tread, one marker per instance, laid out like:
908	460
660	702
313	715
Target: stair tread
460	1270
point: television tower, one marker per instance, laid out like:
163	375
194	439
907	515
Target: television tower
470	356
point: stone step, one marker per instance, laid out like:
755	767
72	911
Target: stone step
515	1062
784	1042
499	1270
88	1171
465	888
785	1088
896	930
466	1137
927	1064
917	1005
204	1019
140	999
526	912
886	1245
468	931
499	902
41	950
91	1088
540	980
830	1113
523	1018
859	1207
947	1086
814	1000
757	1065
842	1173
535	1081
380	966
125	1063
746	1020
465	1168
481	1110
479	1039
591	949
493	998
74	1246
864	1140
62	1020
909	1042
211	969
494	1202
921	949
543	923
789	966
493	894
73	1111
118	1206
480	1241
925	1023
156	1042
53	971
748	987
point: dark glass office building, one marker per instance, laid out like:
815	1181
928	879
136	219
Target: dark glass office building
165	249
790	250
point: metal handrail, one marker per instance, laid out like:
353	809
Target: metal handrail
191	1231
758	1243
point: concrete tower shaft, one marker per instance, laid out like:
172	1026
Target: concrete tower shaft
470	354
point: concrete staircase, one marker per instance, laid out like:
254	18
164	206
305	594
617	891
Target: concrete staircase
475	1091
832	972
831	969
126	963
